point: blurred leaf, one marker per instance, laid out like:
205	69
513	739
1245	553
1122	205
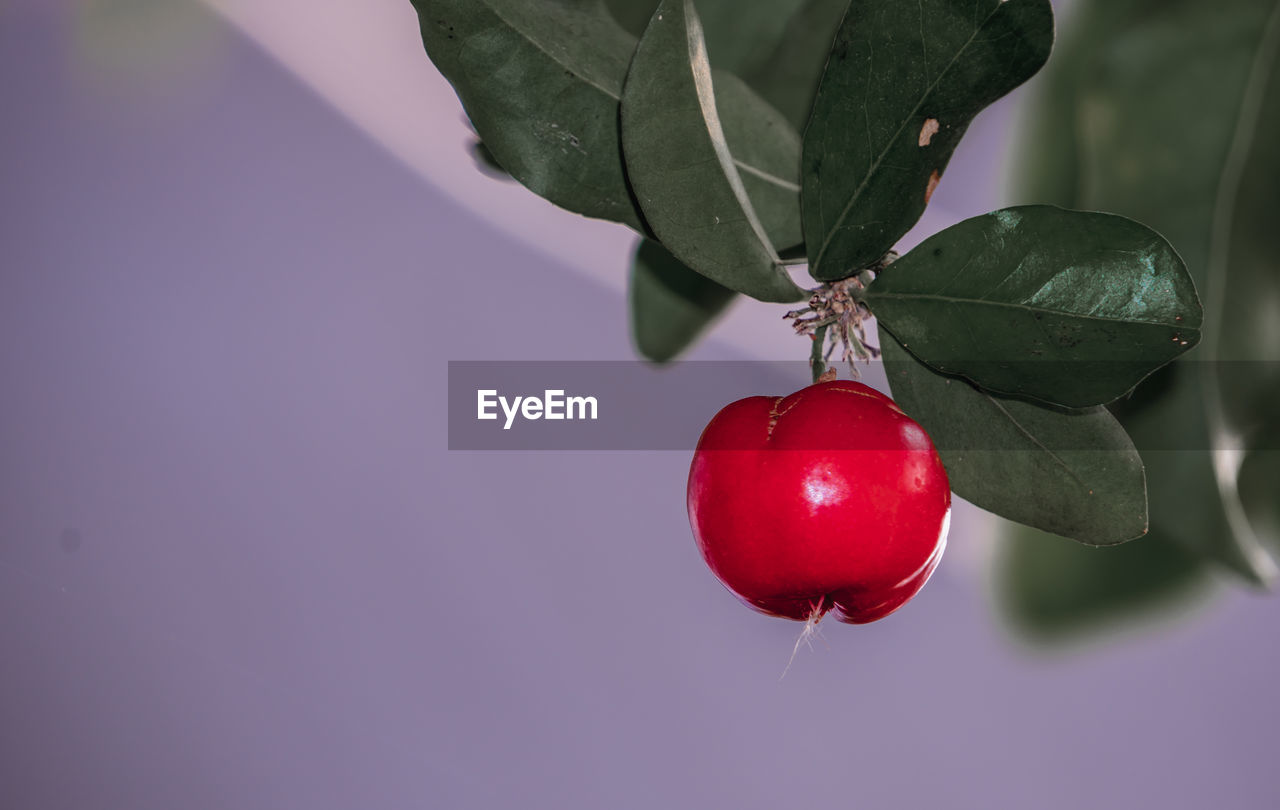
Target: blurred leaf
1051	590
541	83
1259	483
679	162
1243	337
1067	307
740	35
670	304
1158	94
1135	114
789	78
1183	490
1071	473
901	86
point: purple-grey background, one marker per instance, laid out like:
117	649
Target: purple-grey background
239	568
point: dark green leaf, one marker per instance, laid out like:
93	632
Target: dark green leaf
486	162
1155	95
632	15
1071	473
739	35
903	82
680	165
541	83
1259	483
789	78
670	304
1243	336
1185	494
1051	590
766	150
1067	307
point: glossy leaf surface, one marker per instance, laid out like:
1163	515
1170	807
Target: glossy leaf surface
903	82
1073	474
1066	307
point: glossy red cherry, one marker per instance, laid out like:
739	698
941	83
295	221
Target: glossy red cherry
831	499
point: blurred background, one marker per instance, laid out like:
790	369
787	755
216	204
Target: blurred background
239	568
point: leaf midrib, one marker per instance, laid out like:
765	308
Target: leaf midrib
700	72
1036	441
951	299
569	66
866	179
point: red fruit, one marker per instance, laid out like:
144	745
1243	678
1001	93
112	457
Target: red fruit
829	499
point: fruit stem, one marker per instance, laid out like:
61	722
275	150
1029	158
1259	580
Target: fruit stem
817	358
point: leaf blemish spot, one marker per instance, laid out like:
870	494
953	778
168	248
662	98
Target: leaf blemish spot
933	184
927	131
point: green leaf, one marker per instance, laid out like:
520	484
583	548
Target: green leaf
1050	590
486	162
632	15
1075	474
1156	99
670	304
903	82
1185	494
1259	485
1066	307
1243	336
739	35
680	165
789	78
541	83
766	151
